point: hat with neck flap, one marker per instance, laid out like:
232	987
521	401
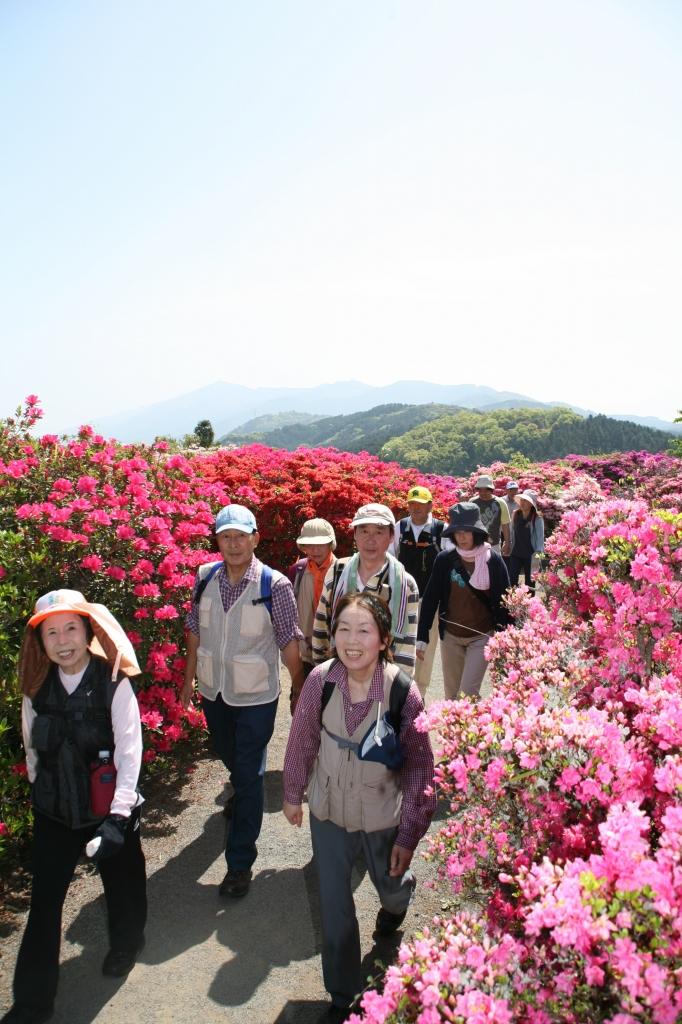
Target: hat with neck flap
110	640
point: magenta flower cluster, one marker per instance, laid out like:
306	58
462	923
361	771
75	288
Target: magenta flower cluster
565	795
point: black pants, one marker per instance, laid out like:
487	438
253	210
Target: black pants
518	565
55	853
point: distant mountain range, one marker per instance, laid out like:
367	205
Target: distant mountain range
229	405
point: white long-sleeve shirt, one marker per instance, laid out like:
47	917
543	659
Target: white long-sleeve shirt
125	722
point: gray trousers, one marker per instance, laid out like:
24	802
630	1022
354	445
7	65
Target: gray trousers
464	664
335	853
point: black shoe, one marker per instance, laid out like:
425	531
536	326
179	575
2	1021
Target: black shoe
119	962
388	923
27	1015
228	807
235	883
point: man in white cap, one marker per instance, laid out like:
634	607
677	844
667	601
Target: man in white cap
494	514
416	542
317	543
371	568
243	616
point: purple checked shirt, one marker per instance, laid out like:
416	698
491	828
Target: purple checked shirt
416	771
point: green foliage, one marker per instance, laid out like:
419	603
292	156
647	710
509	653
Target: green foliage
457	444
358	432
675	447
204	432
261	425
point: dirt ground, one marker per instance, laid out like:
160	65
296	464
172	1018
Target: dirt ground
206	959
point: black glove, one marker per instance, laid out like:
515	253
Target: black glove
112	833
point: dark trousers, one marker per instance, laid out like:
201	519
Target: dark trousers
515	566
336	851
55	853
240	737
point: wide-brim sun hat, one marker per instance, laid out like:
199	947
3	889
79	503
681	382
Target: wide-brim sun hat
530	496
235	517
109	641
465	515
317	531
380	515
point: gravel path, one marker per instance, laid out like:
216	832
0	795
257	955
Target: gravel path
252	960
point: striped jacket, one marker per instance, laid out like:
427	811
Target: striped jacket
403	650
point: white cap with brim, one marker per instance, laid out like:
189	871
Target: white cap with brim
110	640
380	515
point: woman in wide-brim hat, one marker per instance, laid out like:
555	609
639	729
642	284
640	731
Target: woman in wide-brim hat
466	589
528	528
83	741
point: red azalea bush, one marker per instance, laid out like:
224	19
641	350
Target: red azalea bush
128	525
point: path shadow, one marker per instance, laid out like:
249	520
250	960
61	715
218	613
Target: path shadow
301	1011
268	928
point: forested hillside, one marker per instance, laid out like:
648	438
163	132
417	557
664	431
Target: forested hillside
360	431
460	442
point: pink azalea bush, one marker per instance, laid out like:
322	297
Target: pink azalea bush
565	796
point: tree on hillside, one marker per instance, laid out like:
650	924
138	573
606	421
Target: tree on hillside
204	431
676	445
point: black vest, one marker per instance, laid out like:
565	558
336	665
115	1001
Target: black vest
68	733
418	556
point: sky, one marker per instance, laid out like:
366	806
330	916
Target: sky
293	192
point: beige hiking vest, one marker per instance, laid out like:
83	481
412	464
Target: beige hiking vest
238	656
355	795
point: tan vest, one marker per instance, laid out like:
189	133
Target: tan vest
355	795
238	656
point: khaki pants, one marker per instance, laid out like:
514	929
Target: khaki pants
464	664
423	669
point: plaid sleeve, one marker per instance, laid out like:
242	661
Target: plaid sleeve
416	775
284	613
304	739
192	617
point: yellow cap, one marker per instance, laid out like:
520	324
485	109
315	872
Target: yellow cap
421	494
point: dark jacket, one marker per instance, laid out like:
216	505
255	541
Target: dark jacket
437	593
68	733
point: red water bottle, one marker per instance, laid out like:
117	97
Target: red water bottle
102	785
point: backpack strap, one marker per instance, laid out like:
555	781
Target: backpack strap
299	568
437	527
205	580
265	589
327	686
396	701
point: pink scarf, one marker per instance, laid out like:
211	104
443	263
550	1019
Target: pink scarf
480	577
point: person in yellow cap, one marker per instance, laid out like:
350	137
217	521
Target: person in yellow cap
416	542
83	741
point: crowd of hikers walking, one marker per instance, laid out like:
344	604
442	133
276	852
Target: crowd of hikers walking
358	636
